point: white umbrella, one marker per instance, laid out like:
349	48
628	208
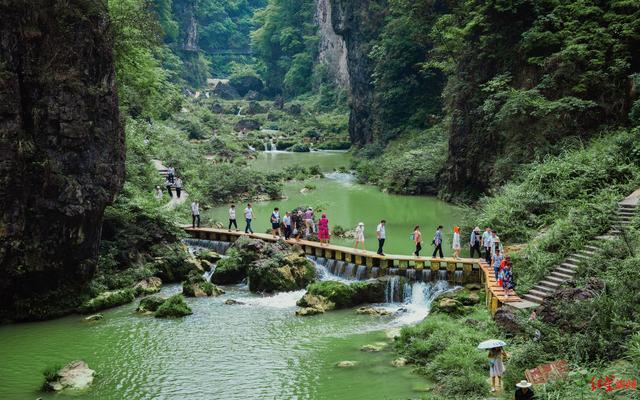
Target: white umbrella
491	344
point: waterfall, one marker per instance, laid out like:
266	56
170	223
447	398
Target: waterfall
208	274
340	266
442	274
407	293
215	245
349	271
239	111
346	179
374	272
331	266
458	277
251	148
361	272
392	291
312	258
418	302
426	275
411	274
418	274
321	261
266	146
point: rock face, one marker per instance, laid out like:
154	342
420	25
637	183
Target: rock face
248	124
73	377
149	285
358	23
332	51
61	151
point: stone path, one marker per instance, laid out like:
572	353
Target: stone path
568	269
175	201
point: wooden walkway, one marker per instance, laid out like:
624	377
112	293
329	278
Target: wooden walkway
473	269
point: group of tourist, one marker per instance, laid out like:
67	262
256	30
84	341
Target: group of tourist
171	181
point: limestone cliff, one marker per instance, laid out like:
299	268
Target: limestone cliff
332	48
359	23
62	150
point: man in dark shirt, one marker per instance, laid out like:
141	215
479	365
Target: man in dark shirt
524	391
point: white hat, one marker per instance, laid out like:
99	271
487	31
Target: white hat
523	384
360	223
476	229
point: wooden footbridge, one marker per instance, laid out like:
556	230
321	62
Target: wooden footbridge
456	270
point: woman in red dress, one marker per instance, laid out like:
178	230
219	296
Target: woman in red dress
323	229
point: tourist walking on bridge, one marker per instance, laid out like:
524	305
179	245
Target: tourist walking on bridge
248	217
171	174
360	235
287	225
168	185
486	243
381	235
496	261
232	217
474	242
323	229
437	242
456	242
195	214
275	222
417	239
308	221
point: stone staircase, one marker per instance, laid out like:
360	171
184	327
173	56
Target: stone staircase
567	269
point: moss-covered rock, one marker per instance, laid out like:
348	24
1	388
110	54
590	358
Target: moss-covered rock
150	304
448	306
197	286
148	286
173	307
343	295
311	304
230	270
107	300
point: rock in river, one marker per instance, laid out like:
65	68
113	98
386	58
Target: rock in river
74	376
346	364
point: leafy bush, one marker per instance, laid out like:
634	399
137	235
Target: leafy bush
150	303
174	307
108	299
300	148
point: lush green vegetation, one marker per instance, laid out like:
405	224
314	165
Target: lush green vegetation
174	307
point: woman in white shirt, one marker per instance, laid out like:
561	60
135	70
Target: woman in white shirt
360	235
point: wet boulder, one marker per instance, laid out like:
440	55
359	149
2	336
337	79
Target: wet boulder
374	312
311	304
94	318
346	364
448	306
75	376
197	286
344	296
255	108
308	311
233	302
399	362
281	273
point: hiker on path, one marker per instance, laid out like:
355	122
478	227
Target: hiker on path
496	261
417	239
360	235
158	193
524	391
456	242
168	184
232	217
297	224
248	216
195	214
381	235
474	242
323	229
507	276
486	243
275	222
178	187
437	242
496	367
495	243
171	174
287	221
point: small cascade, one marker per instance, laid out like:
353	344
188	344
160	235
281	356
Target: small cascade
411	274
426	275
208	274
458	277
339	271
215	245
442	274
393	271
239	111
312	258
375	271
251	148
267	146
418	299
392	291
349	270
331	266
321	261
361	272
407	293
418	275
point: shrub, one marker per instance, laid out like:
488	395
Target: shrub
108	299
150	303
174	307
300	148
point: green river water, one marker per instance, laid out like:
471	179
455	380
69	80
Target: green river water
258	350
